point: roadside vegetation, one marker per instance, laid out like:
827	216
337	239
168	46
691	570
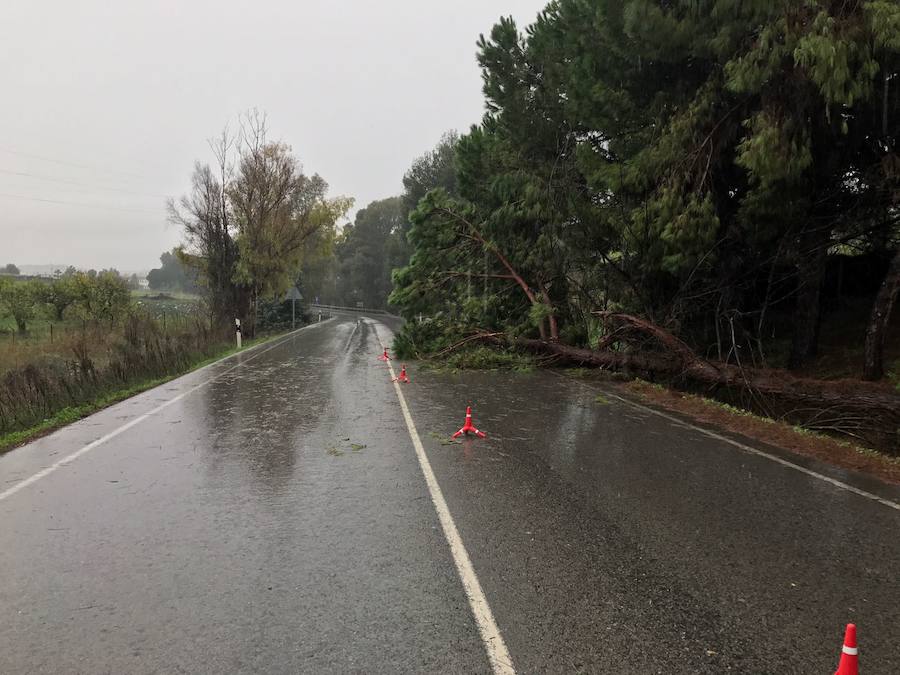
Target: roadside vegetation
113	394
705	199
253	227
254	224
695	198
708	199
70	343
84	340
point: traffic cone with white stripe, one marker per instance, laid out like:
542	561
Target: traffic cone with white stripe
468	427
384	356
849	664
402	377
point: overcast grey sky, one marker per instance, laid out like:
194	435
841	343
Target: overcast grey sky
106	105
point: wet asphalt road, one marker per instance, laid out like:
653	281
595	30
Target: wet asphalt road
276	520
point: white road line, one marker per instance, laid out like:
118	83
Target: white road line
68	459
501	662
352	333
760	453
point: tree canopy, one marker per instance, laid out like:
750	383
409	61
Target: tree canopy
695	164
172	274
368	251
250	222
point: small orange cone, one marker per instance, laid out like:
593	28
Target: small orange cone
849	664
402	377
468	427
384	356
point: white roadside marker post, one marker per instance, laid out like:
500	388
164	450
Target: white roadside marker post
237	329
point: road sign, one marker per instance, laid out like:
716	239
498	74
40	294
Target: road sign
293	295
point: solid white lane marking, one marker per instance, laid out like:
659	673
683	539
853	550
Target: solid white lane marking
68	459
501	662
761	453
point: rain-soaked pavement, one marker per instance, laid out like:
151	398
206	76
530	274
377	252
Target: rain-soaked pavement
276	519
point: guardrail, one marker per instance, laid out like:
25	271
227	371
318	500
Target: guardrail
352	310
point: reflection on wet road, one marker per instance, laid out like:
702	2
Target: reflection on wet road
276	520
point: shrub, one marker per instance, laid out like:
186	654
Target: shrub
98	364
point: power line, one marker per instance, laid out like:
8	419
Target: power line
75	182
91	206
75	164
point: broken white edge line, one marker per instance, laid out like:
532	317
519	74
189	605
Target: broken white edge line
43	473
350	339
760	453
501	662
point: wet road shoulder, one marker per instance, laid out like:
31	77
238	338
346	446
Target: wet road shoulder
272	521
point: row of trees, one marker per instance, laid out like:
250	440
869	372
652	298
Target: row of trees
102	296
696	164
367	252
252	220
255	225
357	265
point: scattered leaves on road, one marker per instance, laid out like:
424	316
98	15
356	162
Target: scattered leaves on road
443	440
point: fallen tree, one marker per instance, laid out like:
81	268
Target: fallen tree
864	411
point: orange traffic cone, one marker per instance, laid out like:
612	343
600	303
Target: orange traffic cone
468	427
402	377
849	664
384	356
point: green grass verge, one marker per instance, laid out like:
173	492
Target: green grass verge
71	414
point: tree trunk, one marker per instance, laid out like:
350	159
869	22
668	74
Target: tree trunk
859	410
554	324
810	273
514	275
874	399
873	366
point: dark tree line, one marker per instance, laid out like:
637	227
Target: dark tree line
368	251
360	261
173	275
699	165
